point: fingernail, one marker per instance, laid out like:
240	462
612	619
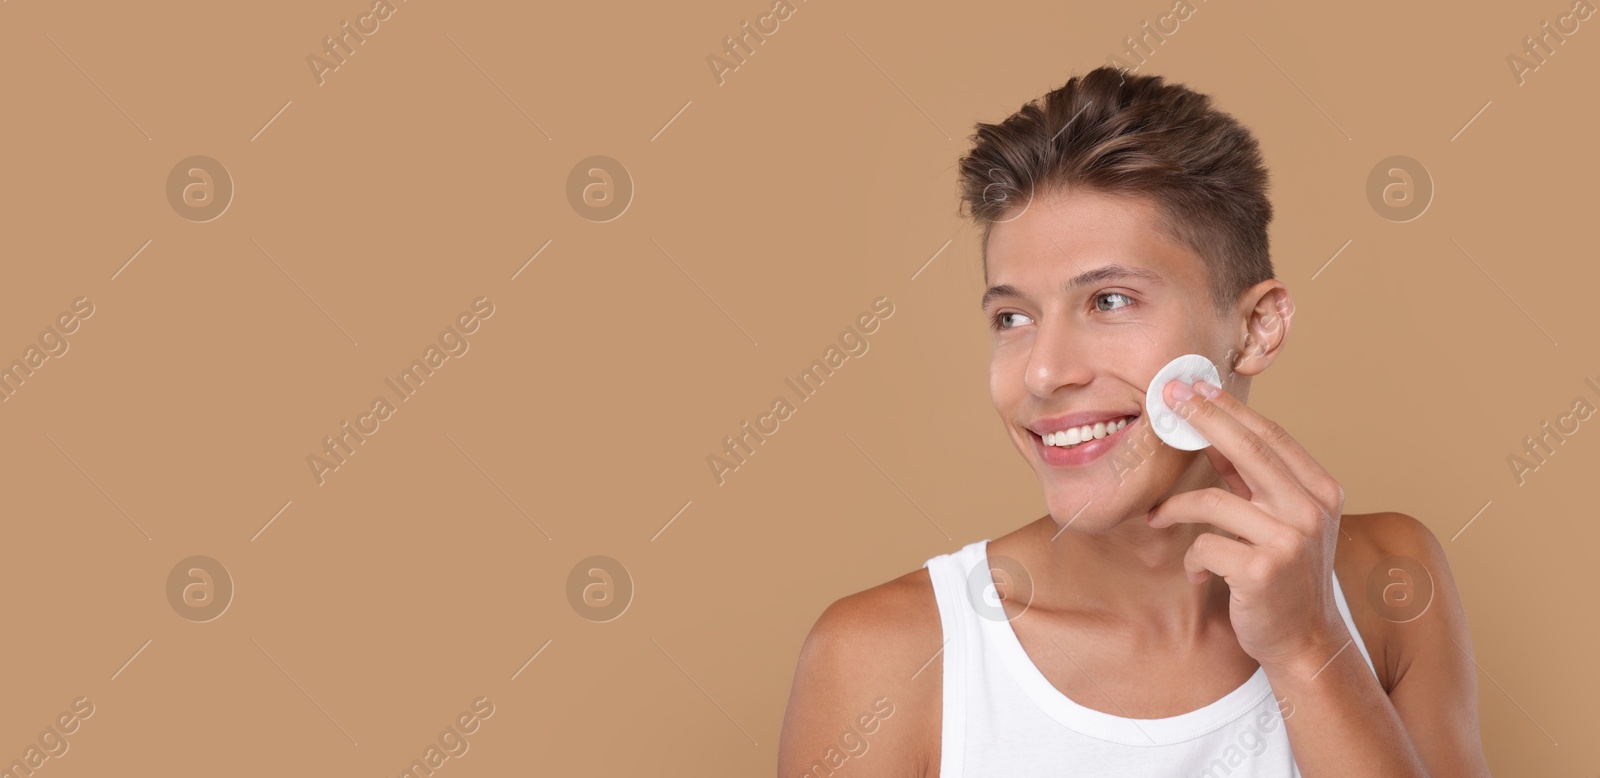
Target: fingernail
1181	392
1206	389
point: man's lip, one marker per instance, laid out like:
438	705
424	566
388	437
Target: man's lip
1068	421
1081	454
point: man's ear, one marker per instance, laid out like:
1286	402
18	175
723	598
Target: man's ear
1264	313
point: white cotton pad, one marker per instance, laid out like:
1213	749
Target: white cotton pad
1166	423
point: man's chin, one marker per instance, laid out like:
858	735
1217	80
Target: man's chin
1092	511
1073	513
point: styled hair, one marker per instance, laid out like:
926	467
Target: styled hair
1133	135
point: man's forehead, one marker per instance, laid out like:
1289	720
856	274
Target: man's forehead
1067	235
1077	218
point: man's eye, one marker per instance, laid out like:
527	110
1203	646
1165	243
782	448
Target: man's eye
1001	322
1099	301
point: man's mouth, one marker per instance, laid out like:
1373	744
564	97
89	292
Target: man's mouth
1075	436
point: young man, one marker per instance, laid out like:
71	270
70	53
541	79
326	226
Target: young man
1200	613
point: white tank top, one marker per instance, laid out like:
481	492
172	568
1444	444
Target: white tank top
1002	717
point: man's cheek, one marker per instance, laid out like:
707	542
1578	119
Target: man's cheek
854	744
997	385
1008	367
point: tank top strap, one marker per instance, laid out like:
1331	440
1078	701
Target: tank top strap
1350	624
963	646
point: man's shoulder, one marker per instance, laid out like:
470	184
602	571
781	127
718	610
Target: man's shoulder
1378	555
881	627
871	655
1375	536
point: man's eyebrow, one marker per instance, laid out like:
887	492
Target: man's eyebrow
1098	275
1003	290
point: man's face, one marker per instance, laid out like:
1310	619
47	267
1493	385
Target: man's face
1090	301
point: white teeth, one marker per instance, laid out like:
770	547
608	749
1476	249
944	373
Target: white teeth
1072	437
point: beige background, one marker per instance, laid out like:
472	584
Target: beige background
427	171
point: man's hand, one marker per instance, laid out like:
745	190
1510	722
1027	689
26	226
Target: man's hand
1282	510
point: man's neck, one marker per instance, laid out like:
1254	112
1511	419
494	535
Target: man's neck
1133	574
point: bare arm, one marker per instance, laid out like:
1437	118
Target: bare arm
855	709
1436	685
1278	506
1427	724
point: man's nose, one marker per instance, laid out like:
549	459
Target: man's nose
1058	359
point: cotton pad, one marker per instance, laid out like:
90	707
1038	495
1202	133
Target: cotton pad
1168	425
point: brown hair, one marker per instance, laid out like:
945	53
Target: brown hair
1129	134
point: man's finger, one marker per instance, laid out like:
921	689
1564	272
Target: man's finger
1223	510
1252	458
1301	465
1214	553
